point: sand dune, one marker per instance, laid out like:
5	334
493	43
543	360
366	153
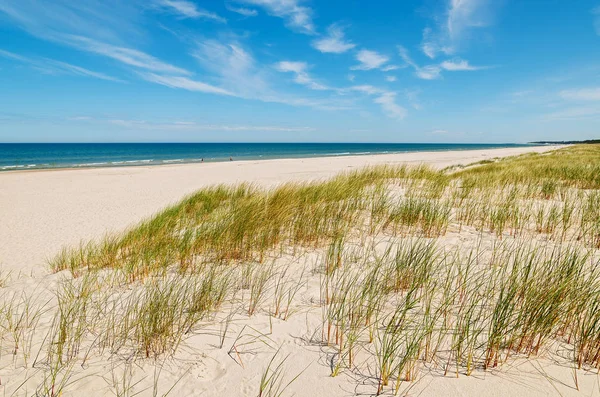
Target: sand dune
226	355
42	211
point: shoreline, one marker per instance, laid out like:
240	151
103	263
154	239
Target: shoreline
173	163
176	162
45	210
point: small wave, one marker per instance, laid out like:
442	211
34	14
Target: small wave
174	161
89	164
138	161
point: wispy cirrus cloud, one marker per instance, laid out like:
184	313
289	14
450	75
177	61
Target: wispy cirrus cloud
433	72
78	70
334	42
247	12
430	72
297	16
596	16
573	113
390	107
13	56
367	89
52	66
170	125
187	9
195	126
232	67
459	65
92	26
577	103
102	20
582	94
301	76
229	69
127	56
224	67
370	60
456	22
389	68
184	83
384	98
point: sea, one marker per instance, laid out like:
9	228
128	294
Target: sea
30	156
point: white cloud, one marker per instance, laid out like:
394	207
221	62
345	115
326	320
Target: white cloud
520	94
389	105
391	79
385	99
297	17
413	98
584	94
52	66
367	89
301	75
464	14
101	27
389	68
124	55
369	60
428	47
430	72
194	126
351	77
90	26
234	69
459	65
13	56
574	113
247	12
103	20
78	70
188	9
79	118
334	42
183	83
433	72
459	18
406	58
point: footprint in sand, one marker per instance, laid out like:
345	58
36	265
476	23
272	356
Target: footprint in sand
208	370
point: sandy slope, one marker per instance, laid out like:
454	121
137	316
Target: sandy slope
41	211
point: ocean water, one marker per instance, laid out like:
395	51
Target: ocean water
20	156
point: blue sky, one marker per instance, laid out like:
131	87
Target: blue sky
294	70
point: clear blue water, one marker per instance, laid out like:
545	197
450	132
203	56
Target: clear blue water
19	156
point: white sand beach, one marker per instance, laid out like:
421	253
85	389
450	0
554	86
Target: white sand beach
43	211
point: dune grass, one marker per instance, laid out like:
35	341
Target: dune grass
395	293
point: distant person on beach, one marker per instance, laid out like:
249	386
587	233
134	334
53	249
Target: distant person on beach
230	158
202	160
